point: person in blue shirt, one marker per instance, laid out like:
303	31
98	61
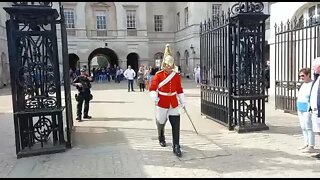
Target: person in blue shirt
303	106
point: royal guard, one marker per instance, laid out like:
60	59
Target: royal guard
165	91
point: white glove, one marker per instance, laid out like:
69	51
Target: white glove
78	84
182	99
154	96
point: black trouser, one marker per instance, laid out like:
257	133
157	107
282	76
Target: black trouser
117	79
83	97
175	125
130	84
141	85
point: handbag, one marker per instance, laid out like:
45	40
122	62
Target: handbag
303	106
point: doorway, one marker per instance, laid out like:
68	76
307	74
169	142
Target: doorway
133	61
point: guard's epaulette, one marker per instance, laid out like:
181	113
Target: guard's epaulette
159	71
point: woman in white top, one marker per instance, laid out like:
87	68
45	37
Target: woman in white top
303	106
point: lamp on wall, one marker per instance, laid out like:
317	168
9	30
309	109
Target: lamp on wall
192	49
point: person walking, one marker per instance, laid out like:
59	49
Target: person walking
153	71
147	74
267	79
303	110
315	99
140	78
118	74
165	90
83	84
129	74
197	75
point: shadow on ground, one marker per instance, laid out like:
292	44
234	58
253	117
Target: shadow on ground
110	102
118	119
139	149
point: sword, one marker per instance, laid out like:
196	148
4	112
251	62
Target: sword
185	110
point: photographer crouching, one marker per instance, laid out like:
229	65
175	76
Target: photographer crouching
83	84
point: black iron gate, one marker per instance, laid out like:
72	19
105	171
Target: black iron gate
233	69
35	77
296	45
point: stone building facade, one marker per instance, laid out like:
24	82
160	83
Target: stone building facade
128	32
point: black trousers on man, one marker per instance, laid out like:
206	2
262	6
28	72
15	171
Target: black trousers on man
83	97
130	85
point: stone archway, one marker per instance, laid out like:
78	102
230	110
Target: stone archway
109	54
74	61
133	61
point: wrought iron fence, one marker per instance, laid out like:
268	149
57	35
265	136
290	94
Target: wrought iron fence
35	77
233	67
297	43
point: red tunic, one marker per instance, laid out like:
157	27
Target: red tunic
174	85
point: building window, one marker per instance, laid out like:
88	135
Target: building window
178	21
300	23
313	14
309	17
186	16
69	18
101	20
216	11
131	19
158	20
186	56
312	11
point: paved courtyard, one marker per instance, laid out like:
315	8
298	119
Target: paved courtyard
121	141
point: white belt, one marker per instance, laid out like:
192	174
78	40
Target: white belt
167	94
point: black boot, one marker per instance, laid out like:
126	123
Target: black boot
161	137
78	118
87	117
175	124
176	150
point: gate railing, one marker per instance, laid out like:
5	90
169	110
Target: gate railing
297	43
233	67
214	62
35	77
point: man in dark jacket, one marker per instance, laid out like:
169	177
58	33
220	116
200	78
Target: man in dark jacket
83	84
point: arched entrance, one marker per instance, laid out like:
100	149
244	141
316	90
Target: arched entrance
101	61
133	61
74	61
103	53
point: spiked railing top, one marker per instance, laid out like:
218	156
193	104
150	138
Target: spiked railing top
294	24
36	4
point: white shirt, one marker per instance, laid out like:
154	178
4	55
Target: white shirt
197	71
304	92
314	95
129	74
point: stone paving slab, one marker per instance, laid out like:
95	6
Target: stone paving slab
121	141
